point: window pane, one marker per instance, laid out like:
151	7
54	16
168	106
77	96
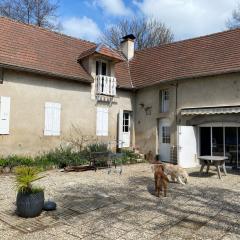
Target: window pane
238	160
231	145
164	101
205	141
217	141
104	69
165	134
97	68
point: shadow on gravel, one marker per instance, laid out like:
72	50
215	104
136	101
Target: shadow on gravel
202	175
218	207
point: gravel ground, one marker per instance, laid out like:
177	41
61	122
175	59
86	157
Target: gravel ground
95	205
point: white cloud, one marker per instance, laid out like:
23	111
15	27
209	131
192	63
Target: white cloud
189	18
84	28
113	7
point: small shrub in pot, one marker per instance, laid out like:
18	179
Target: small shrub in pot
30	199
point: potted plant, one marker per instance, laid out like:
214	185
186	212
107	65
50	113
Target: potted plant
30	199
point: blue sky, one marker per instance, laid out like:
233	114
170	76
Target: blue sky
187	18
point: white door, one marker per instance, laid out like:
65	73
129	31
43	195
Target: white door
124	129
164	140
187	146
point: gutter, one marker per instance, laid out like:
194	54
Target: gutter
190	77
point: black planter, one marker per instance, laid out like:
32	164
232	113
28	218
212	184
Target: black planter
30	205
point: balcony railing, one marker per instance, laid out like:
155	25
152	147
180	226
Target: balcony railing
106	85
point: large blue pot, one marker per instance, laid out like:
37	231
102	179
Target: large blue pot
30	205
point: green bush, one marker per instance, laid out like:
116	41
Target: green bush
14	161
61	157
66	156
129	156
97	147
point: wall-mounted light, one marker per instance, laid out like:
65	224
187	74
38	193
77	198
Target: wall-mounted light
148	110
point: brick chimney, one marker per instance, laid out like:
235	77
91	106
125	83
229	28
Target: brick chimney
127	46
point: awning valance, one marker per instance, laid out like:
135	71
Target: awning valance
210	110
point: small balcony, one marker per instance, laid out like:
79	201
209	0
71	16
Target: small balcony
106	85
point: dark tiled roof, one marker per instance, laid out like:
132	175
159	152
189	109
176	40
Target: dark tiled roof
103	50
214	54
34	48
122	73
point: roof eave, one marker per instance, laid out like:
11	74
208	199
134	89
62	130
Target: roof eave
50	74
189	77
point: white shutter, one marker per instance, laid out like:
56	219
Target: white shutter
56	112
4	115
52	119
120	129
48	119
104	122
99	122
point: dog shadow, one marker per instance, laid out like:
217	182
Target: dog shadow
151	189
201	175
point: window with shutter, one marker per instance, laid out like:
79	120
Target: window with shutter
52	119
4	115
102	122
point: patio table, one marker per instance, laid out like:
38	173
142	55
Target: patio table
217	161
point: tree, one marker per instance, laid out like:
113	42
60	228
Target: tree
148	33
234	21
38	12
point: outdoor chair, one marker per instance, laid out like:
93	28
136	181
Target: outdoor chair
115	161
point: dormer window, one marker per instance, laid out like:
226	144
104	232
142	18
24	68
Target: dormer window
101	67
105	85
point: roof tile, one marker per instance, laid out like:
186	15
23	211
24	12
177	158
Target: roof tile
203	56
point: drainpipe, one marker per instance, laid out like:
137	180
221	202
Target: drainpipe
176	117
176	106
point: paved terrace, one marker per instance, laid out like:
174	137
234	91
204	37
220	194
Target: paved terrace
101	206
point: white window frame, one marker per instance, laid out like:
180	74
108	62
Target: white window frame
126	125
100	61
166	135
52	119
164	100
102	121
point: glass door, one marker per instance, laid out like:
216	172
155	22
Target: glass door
231	145
221	141
217	141
205	141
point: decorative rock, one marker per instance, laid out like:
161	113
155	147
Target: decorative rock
49	206
1	169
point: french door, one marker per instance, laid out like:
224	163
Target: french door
221	141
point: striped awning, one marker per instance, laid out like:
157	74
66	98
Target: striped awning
210	110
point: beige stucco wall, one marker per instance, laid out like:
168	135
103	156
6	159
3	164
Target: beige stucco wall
146	126
29	93
214	91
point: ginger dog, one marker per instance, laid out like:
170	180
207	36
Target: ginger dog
161	180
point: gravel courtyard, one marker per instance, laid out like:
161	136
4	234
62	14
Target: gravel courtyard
101	206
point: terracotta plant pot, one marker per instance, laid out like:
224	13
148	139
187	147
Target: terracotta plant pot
30	205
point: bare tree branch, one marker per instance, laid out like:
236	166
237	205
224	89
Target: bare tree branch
148	33
38	12
234	21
